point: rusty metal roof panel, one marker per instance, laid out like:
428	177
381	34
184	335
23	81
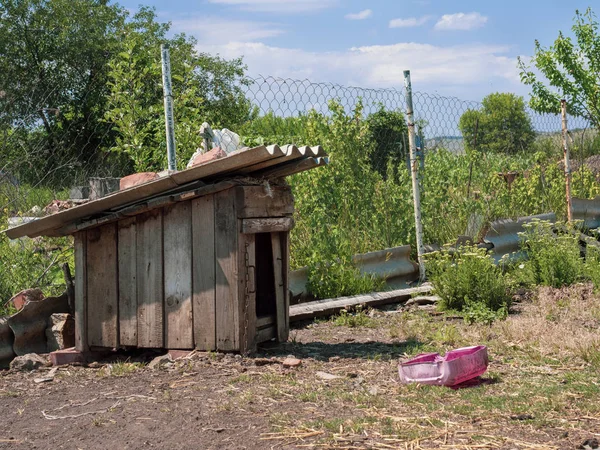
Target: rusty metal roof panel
272	161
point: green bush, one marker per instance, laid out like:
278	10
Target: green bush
553	254
467	280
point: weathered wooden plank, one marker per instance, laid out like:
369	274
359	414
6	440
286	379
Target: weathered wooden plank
266	334
127	282
80	292
285	270
247	291
203	272
262	201
265	321
177	221
226	272
327	307
267	225
102	287
280	306
149	247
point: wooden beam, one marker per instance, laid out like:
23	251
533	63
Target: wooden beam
280	306
267	225
328	307
260	201
81	292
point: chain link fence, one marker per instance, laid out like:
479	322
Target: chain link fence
46	150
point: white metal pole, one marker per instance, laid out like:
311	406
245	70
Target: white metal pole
414	170
168	98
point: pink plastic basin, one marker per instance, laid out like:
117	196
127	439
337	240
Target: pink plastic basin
456	367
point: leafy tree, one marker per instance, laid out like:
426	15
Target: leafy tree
389	132
569	70
206	88
53	64
502	125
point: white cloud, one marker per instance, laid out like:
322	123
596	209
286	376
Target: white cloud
469	71
217	30
410	22
365	14
279	6
461	21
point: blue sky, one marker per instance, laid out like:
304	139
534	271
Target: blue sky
462	48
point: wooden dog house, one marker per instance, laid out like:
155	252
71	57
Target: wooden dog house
198	259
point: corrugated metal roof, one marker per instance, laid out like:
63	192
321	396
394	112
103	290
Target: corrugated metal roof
268	162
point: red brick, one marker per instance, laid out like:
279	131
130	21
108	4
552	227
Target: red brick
23	297
137	178
67	356
203	158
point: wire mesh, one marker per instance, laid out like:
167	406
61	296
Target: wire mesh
47	148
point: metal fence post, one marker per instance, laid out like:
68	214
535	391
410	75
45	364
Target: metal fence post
168	98
563	110
414	170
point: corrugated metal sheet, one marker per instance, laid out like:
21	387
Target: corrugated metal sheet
29	325
25	331
504	235
393	264
267	162
588	211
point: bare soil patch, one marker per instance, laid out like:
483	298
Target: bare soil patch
541	390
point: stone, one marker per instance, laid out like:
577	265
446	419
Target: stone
48	377
203	158
291	362
178	354
101	187
60	333
423	300
79	192
137	178
327	376
67	356
28	362
28	295
160	361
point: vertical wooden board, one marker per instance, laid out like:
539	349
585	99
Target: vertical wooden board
285	262
102	287
80	292
149	247
282	333
179	333
203	272
247	291
127	282
226	272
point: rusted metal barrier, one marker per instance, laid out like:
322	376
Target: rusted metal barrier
503	235
587	211
392	264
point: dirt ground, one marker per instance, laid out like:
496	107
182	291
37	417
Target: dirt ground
541	390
